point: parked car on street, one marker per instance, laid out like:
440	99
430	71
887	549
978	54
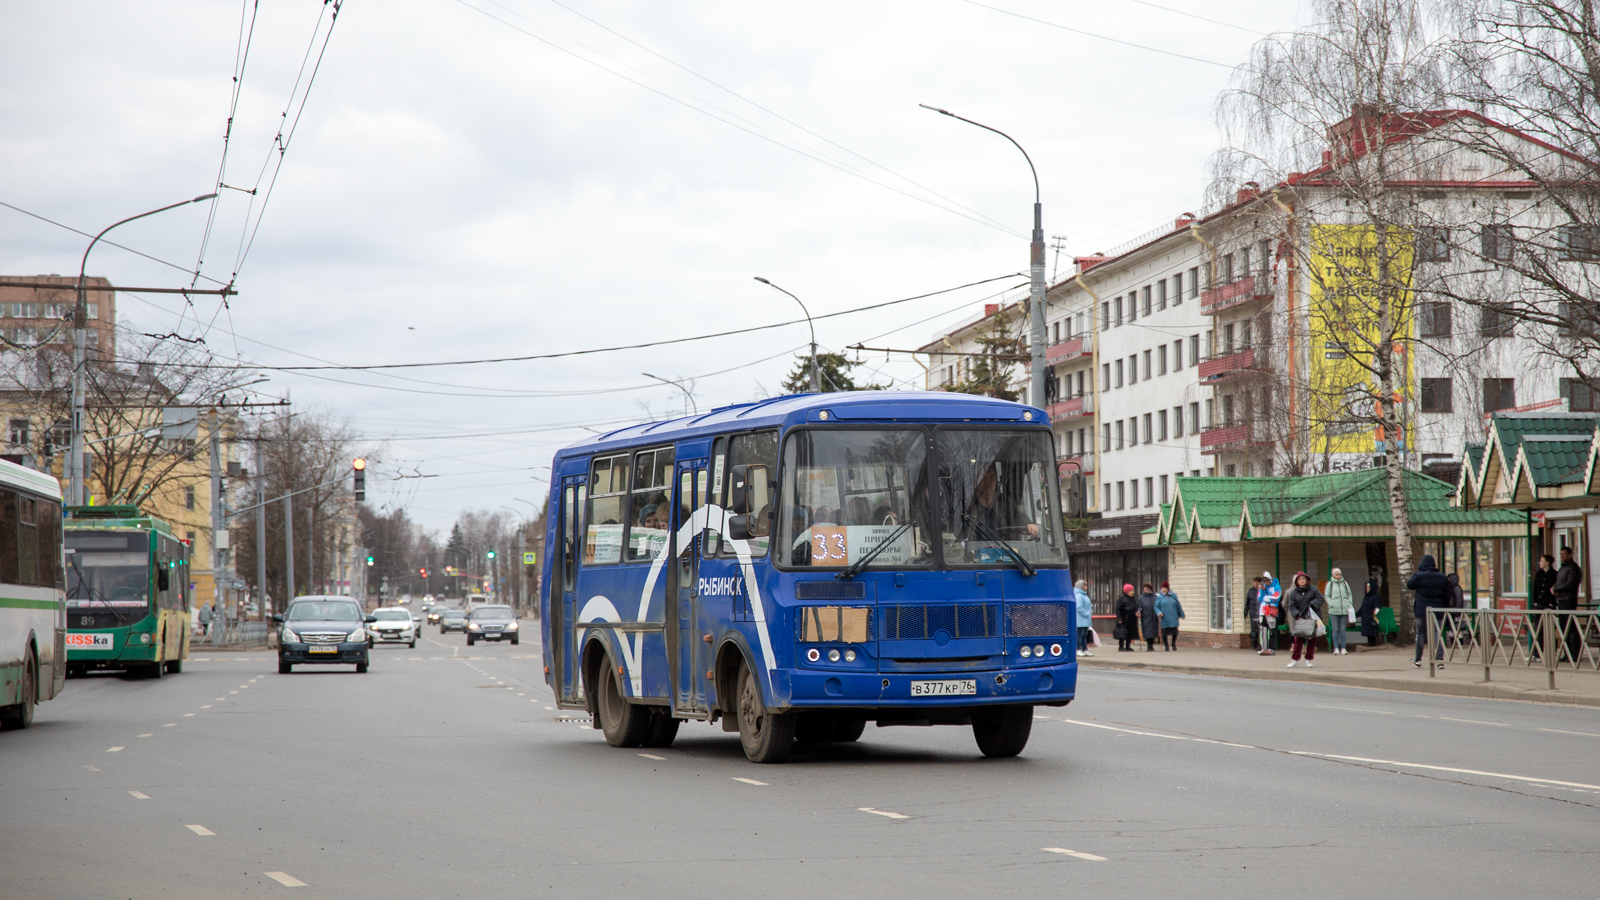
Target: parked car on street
492	623
320	630
393	624
452	620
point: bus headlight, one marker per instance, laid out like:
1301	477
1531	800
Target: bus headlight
833	655
1026	651
849	656
1038	650
144	638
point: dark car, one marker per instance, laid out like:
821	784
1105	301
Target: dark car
492	623
320	630
452	620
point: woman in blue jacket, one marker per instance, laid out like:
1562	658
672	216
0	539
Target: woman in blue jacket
1168	612
1085	616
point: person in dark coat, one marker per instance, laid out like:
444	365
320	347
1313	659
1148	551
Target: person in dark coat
1432	589
1149	622
1127	610
1542	596
1252	608
1568	579
1300	603
1371	601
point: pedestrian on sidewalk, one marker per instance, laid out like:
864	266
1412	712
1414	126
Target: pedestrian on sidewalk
1565	590
205	620
1371	600
1341	609
1168	612
1270	595
1432	590
1080	592
1252	611
1149	625
1541	597
1127	611
1300	607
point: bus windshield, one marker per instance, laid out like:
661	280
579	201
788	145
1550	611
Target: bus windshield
998	495
108	570
846	493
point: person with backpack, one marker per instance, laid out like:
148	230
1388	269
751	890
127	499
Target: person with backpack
1340	609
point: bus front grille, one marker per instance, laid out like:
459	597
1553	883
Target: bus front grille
920	622
1038	619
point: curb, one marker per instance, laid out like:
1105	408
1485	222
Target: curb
1484	690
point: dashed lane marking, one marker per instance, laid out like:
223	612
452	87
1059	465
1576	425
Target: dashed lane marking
139	795
879	812
654	757
113	749
1476	722
207	706
148	734
1359	709
201	830
188	715
1578	733
92	768
168	724
231	692
752	781
220	699
1065	852
285	879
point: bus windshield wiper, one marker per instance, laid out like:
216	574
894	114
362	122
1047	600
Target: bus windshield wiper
855	568
987	534
83	585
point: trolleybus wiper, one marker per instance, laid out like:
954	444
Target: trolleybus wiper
989	535
83	584
855	568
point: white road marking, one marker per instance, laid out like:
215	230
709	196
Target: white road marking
201	830
879	812
1476	722
653	756
139	795
752	781
231	692
187	715
147	734
113	749
548	707
220	699
285	879
92	768
168	724
1578	733
1410	765
1172	737
207	706
520	694
1046	718
1065	852
1359	709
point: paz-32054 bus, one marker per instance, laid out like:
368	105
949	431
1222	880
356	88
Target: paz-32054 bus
802	566
33	623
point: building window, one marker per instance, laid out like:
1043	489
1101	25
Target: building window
1161	425
1227	409
1436	395
1580	242
1227	269
1121	434
1219	584
21	432
1497	241
1119	373
1579	396
1494	323
1161	360
1133	305
1194	418
1105	319
1161	294
1499	393
1149	492
1177	355
1116	310
1433	244
1105	374
1230	470
1106	440
1177	421
1433	319
1122	495
1163	489
1080	382
1227	340
1194	349
1147	429
1147	301
1194	282
94	310
188	498
1211	412
1107	504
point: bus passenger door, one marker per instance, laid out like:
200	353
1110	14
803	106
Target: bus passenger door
686	652
564	597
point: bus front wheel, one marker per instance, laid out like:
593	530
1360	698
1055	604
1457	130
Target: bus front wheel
767	737
1002	731
624	724
21	715
174	666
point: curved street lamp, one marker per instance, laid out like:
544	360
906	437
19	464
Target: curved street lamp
816	379
679	386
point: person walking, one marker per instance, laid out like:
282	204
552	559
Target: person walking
1270	596
1371	600
1300	607
1541	597
1149	627
1431	590
1127	611
205	620
1252	611
1080	591
1341	608
1168	612
1565	591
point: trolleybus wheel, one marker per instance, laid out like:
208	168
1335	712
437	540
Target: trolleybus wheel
663	730
767	737
21	714
175	666
624	724
1002	730
155	670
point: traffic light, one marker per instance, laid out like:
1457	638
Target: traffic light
423	572
369	560
360	484
491	554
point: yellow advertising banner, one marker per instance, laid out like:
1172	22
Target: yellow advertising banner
1350	280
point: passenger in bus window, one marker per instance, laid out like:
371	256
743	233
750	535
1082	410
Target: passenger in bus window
858	511
986	516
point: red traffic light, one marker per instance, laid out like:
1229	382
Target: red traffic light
359	464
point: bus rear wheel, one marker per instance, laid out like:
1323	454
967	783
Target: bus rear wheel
1002	731
767	737
624	724
174	666
21	715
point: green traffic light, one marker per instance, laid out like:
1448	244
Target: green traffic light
491	554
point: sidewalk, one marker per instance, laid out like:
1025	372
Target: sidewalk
1386	668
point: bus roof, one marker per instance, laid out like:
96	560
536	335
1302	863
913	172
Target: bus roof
848	406
76	520
32	479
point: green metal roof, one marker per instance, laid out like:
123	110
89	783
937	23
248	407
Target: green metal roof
1530	458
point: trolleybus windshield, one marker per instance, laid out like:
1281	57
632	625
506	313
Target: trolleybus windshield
998	496
108	571
845	493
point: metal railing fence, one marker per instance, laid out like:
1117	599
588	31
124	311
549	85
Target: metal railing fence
1543	639
237	634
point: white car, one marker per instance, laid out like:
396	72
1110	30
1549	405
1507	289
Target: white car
393	624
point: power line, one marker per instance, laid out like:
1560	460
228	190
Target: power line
1100	37
184	269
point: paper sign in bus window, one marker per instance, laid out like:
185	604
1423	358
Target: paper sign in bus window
841	545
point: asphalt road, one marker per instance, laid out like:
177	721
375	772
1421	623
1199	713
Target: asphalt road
444	772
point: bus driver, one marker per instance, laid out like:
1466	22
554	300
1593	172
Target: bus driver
984	515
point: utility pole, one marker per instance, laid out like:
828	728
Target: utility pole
288	546
218	535
261	528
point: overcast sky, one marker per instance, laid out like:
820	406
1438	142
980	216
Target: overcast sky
485	178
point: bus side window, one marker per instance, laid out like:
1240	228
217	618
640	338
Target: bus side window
8	537
758	449
48	514
718	497
569	538
27	542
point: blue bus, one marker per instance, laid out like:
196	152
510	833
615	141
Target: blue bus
800	566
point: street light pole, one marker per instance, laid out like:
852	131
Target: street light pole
816	379
76	495
1036	337
679	386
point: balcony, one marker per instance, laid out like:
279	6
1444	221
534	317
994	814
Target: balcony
1230	295
1066	465
1066	351
1244	361
1225	438
1075	408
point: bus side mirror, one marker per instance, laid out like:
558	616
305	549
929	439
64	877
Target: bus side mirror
738	528
163	580
748	492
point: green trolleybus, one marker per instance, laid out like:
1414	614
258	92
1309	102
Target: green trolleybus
32	614
127	592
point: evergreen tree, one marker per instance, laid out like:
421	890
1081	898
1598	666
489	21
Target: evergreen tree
992	372
455	550
833	370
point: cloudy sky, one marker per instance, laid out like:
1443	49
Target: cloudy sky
466	179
